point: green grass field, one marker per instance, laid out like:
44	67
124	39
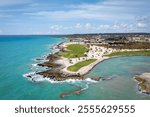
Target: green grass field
79	65
130	53
74	51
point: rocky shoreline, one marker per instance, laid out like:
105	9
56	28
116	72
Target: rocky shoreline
55	72
143	82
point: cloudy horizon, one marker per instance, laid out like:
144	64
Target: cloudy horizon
21	17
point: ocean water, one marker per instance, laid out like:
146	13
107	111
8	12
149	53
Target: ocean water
18	57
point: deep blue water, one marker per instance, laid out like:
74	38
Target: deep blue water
18	54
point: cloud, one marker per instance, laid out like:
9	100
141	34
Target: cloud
13	2
61	15
90	27
73	14
56	27
141	25
110	9
102	16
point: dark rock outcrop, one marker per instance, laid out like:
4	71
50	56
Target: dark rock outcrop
76	92
143	83
96	78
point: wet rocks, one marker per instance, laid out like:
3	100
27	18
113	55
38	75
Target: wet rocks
58	76
53	57
49	64
76	92
143	82
96	78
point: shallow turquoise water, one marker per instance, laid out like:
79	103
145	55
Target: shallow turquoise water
121	71
17	54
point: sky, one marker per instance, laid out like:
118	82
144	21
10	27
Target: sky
23	17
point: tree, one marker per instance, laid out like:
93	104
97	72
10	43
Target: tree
85	55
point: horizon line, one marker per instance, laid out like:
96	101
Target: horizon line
72	34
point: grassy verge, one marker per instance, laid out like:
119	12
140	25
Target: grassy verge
130	53
79	65
74	51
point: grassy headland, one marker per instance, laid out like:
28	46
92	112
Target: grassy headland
131	53
74	51
79	65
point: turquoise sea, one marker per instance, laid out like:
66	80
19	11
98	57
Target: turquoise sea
18	56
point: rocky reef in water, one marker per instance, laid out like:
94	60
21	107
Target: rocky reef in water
76	92
143	82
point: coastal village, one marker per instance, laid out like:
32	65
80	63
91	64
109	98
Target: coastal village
111	39
81	53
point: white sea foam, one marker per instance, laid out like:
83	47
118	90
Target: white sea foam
89	80
53	81
28	74
41	59
84	84
35	68
85	88
32	76
34	65
72	81
36	77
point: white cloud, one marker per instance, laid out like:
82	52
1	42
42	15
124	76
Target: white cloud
56	27
75	14
141	25
89	27
128	14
